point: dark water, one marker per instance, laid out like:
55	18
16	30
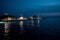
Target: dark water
48	29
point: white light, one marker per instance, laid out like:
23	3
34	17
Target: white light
31	17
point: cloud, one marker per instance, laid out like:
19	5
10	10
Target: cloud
50	14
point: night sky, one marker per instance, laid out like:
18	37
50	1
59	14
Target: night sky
48	29
30	7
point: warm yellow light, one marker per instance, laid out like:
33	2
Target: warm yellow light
21	18
9	18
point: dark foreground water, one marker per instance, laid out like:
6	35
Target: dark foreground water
48	29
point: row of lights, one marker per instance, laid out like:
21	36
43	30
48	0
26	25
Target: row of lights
7	19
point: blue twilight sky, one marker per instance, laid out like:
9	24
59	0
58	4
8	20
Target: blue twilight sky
30	7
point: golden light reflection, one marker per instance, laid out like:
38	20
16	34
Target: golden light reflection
6	28
21	26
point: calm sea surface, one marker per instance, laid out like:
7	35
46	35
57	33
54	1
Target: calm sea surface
48	29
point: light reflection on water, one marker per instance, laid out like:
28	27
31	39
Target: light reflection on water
43	28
